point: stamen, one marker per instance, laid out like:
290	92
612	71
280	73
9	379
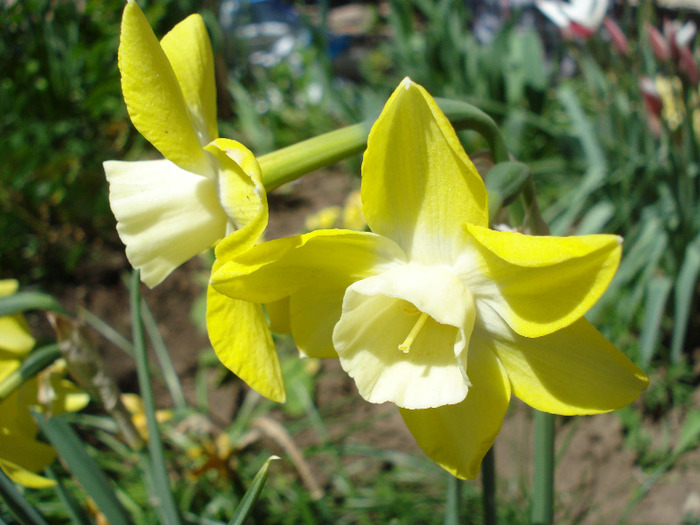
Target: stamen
406	345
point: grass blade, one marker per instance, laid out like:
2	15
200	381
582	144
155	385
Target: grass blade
77	514
166	503
251	496
20	507
35	362
657	295
684	295
166	364
23	301
84	468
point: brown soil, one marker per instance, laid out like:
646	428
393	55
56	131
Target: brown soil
596	475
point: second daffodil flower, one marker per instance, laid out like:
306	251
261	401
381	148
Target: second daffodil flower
206	188
433	311
171	209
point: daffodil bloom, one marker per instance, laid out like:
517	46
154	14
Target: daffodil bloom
21	455
171	209
205	188
433	311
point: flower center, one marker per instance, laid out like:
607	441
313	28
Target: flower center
406	345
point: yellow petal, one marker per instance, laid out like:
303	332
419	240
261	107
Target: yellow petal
402	334
540	284
23	455
314	311
574	371
275	269
188	50
457	437
153	96
418	185
24	477
15	336
278	312
242	341
241	191
165	215
8	287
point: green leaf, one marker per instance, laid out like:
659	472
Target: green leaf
23	301
684	294
657	295
251	496
84	468
503	184
35	362
20	507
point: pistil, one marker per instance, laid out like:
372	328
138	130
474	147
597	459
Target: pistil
406	345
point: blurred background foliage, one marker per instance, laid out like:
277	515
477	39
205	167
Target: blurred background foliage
610	134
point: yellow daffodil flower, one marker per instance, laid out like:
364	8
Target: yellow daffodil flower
432	310
171	209
21	455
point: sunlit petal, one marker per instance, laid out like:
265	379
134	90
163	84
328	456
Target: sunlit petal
188	50
242	341
539	284
418	185
457	437
165	215
241	191
275	269
574	371
153	96
15	336
24	477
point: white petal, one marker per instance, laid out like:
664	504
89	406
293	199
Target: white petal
379	313
165	215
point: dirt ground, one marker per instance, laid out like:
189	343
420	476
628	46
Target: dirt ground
596	476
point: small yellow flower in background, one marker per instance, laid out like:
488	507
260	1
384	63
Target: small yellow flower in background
324	218
21	455
170	210
134	404
435	312
673	109
348	216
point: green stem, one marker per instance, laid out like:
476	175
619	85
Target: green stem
290	163
488	482
35	362
543	486
454	489
165	501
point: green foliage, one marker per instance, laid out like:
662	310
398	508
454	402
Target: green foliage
61	116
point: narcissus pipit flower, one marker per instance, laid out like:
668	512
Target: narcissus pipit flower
171	209
21	455
435	312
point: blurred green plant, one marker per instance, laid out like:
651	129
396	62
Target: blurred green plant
61	114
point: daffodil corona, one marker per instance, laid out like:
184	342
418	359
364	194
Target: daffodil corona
433	311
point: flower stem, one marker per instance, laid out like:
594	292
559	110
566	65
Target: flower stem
488	484
35	362
542	512
290	163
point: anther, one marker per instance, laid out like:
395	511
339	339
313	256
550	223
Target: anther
406	345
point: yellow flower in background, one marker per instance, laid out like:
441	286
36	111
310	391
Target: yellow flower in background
21	455
433	311
171	209
15	339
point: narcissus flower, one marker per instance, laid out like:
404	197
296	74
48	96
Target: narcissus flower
21	455
433	311
171	209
